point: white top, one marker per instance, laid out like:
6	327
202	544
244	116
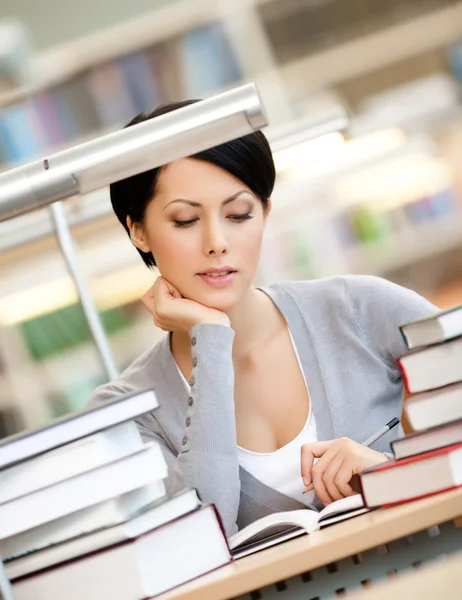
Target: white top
281	469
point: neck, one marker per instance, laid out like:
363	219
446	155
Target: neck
254	320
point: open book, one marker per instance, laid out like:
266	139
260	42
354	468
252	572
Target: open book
282	526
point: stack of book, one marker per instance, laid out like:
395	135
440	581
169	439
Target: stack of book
428	461
84	513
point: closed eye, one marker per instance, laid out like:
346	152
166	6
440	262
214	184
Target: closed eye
240	218
235	218
184	223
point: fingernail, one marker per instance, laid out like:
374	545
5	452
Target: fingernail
305	480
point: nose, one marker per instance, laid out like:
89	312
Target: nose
215	242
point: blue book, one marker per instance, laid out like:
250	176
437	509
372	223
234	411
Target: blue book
106	86
48	116
139	80
19	134
207	60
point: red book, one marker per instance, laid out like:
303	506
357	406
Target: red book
412	478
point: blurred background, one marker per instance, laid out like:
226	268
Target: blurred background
365	108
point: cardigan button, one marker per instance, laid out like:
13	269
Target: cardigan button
190	401
193	341
188	421
194	362
184	441
192	381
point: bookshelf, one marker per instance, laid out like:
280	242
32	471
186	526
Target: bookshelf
104	96
239	43
375	49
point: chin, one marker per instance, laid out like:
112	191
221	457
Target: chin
223	300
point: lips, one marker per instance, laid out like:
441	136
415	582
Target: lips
218	277
218	271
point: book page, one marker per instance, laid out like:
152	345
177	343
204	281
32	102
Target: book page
341	507
251	547
276	523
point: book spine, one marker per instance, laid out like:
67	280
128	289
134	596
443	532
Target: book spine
404	336
404	376
222	527
392	446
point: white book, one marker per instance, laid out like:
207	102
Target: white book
432	367
104	514
428	439
69	460
413	477
434	408
142	567
278	527
6	593
146	520
107	481
442	326
27	444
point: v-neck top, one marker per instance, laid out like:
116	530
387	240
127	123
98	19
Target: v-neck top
346	332
281	469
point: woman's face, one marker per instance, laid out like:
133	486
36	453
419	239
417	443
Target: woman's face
203	220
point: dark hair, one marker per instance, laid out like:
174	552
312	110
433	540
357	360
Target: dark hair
248	158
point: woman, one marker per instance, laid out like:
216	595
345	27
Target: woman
262	392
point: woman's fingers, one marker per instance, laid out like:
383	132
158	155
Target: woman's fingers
157	300
171	312
337	476
320	488
318	472
308	453
339	460
343	478
329	477
149	296
312	472
323	474
166	289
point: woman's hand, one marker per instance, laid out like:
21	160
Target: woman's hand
338	462
171	312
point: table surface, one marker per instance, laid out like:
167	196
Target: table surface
322	547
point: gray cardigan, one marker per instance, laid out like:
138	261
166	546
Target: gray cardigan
346	333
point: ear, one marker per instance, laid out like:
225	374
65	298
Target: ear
137	235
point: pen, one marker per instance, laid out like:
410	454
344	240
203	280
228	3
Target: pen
369	441
378	434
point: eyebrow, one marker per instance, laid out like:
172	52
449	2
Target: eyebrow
198	204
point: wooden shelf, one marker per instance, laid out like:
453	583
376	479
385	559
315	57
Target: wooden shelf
406	248
366	53
371	52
